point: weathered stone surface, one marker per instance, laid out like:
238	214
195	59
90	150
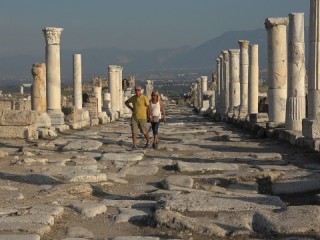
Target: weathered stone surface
41	219
296	186
28	227
141	170
203	167
266	156
24	132
135	238
129	203
51	210
79	232
132	215
85	145
173	181
295	220
89	209
17	117
205	202
20	237
11	196
121	156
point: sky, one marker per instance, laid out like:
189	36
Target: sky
132	24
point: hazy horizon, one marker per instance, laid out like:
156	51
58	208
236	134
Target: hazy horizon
132	25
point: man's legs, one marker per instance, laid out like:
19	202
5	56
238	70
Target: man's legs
134	130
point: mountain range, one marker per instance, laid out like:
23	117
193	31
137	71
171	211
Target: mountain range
96	60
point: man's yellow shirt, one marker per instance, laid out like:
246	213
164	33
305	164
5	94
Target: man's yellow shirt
140	105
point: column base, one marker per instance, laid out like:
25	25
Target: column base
311	128
57	117
272	125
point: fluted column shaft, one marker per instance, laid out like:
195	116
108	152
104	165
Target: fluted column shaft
277	68
253	81
296	102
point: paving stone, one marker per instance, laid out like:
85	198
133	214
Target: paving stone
296	186
42	219
295	220
135	238
20	237
173	181
11	196
51	210
81	144
132	215
79	232
141	170
27	227
204	167
8	211
88	209
129	203
204	202
266	156
130	156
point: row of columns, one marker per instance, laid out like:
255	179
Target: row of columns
238	69
47	85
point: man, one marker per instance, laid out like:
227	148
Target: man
139	107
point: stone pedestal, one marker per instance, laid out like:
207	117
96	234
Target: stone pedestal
38	91
277	69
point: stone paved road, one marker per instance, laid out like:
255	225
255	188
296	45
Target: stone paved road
207	179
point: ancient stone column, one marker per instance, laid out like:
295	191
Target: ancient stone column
204	84
253	80
221	85
98	93
121	102
149	88
77	81
277	70
199	95
217	91
53	74
38	91
234	87
244	75
296	101
311	125
226	81
113	87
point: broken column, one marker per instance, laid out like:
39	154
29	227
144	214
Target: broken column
296	101
244	72
38	91
53	74
234	87
277	70
204	89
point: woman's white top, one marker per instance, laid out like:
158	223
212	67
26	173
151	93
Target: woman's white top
155	109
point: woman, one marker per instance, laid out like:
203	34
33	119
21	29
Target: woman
156	112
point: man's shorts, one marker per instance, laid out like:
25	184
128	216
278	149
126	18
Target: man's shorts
139	124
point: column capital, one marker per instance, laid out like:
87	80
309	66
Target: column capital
271	22
244	43
218	60
112	68
52	35
225	55
234	51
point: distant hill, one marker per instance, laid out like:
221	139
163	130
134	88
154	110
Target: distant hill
96	60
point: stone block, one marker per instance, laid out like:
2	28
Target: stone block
311	128
94	121
57	117
17	117
43	120
258	117
26	132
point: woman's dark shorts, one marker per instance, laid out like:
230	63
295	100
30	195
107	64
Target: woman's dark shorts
155	126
